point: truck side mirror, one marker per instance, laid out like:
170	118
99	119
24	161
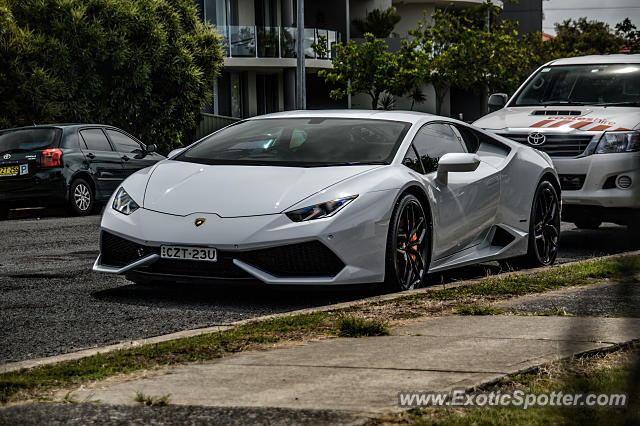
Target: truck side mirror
497	101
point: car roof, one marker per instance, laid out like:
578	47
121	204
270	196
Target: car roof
59	126
598	59
406	116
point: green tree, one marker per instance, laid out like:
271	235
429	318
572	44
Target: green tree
378	22
584	37
373	70
146	66
466	54
631	35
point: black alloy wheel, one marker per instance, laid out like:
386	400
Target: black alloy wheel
408	245
545	226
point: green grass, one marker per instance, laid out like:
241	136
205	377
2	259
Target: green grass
262	334
358	327
152	401
602	380
622	268
477	310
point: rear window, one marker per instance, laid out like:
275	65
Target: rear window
29	139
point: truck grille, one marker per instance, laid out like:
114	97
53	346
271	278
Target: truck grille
556	145
572	182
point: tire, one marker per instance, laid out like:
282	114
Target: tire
408	250
544	229
81	198
634	228
4	212
588	223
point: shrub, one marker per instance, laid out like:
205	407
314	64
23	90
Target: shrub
146	66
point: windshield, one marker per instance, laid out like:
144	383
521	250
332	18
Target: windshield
28	139
305	142
615	84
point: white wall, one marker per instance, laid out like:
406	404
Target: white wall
363	101
411	13
360	8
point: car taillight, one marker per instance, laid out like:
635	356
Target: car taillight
51	158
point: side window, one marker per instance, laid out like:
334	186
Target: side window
123	142
433	141
95	140
411	160
469	137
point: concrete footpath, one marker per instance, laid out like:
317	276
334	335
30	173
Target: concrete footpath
364	375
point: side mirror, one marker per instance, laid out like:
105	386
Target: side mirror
458	162
175	152
497	101
151	148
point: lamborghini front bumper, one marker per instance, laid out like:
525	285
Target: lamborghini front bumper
347	248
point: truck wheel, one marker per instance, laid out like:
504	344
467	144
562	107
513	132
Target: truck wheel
588	223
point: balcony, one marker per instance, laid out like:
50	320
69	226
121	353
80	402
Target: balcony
274	42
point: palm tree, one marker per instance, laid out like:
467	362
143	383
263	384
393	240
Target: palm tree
417	96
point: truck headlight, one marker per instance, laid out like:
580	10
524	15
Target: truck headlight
123	203
612	142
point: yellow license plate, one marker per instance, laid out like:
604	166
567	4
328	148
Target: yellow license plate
10	171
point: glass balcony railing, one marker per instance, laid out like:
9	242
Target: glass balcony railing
274	42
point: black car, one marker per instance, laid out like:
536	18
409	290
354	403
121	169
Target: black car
77	165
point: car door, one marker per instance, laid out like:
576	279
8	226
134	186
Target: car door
132	152
104	163
466	206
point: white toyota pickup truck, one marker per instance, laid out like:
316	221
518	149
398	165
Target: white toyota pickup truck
585	113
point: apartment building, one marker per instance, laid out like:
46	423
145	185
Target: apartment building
260	51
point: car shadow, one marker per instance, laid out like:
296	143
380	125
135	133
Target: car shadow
256	296
607	239
44	212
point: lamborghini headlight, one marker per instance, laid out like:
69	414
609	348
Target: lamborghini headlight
612	142
318	211
123	203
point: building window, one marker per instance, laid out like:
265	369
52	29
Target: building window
267	93
229	95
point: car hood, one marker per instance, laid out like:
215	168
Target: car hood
566	118
182	188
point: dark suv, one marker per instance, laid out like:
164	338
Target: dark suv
76	165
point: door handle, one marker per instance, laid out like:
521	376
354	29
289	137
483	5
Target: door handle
125	158
91	155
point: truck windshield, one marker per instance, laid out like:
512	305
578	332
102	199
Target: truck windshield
28	139
611	84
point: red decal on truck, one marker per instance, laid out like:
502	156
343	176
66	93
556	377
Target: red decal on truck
599	127
542	123
560	123
580	124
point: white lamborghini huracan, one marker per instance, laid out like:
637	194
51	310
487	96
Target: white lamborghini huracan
333	197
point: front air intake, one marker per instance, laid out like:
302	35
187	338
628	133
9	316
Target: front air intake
555	112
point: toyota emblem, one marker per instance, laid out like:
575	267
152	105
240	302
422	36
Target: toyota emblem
6	156
536	139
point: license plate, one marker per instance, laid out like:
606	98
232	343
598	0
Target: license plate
10	171
205	254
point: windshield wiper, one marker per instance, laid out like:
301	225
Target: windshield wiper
556	103
630	103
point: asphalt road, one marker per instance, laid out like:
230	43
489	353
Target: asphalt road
53	303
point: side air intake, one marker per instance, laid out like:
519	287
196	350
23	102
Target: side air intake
501	238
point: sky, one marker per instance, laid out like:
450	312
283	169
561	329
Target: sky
609	11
